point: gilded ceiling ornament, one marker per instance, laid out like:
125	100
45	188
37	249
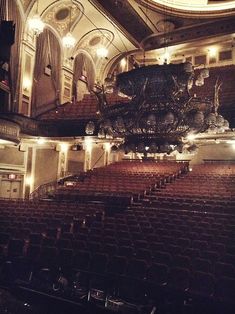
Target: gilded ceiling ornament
58	16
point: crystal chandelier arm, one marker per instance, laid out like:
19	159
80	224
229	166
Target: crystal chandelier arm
142	94
216	94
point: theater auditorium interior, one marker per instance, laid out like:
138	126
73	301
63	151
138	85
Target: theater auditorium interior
117	156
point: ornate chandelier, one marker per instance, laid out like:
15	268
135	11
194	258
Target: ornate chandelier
36	25
160	112
68	40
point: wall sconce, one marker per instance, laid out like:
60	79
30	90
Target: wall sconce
212	51
29	180
27	84
64	147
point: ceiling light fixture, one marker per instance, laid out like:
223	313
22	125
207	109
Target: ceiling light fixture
68	40
102	52
36	25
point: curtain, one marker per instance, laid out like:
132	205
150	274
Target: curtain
14	15
77	71
41	60
82	62
89	68
47	53
3	9
55	61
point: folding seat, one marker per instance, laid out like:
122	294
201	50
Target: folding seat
123	234
94	246
51	232
98	263
225	292
158	246
162	258
157	274
117	265
192	252
202	285
230	249
33	253
147	231
212	256
137	236
94	238
67	235
201	264
65	259
35	238
228	258
77	225
40	228
178	279
167	239
174	249
141	244
79	245
64	244
13	231
109	232
48	257
224	270
144	254
182	261
126	251
4	238
183	243
218	247
81	260
152	238
48	241
207	237
134	229
15	248
136	268
83	236
176	234
201	245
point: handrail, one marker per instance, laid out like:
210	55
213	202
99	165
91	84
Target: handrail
43	190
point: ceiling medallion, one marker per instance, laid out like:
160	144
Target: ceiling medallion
160	112
62	14
95	40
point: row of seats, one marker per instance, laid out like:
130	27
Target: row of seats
87	107
133	177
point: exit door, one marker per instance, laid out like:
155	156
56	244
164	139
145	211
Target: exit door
10	189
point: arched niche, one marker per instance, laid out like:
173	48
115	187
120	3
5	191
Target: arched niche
84	74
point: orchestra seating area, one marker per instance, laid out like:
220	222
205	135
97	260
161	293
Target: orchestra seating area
149	257
123	181
208	187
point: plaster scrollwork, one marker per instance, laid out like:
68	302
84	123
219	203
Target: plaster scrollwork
25	4
63	16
